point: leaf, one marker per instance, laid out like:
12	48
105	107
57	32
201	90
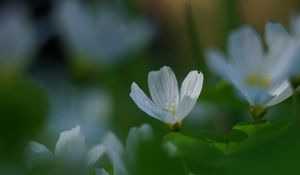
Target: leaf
23	110
257	133
197	153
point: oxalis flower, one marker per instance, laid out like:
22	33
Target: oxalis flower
70	148
295	32
262	77
167	104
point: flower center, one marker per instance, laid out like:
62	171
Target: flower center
258	80
171	108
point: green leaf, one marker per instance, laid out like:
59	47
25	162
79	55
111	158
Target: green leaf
23	110
197	154
257	133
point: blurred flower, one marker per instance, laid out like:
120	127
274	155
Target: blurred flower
295	29
116	151
17	41
70	148
136	136
101	34
91	107
262	77
168	105
101	172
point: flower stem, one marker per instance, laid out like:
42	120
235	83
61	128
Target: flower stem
258	112
295	81
176	127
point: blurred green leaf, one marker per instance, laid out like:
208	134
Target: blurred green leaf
199	155
23	110
278	156
245	135
153	159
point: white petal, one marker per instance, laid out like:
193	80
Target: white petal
283	61
71	144
101	172
163	87
276	36
37	154
216	61
190	91
40	149
283	51
115	151
257	96
295	25
281	93
245	49
95	153
146	105
136	136
75	23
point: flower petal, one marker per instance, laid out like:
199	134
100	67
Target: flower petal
101	171
276	36
40	149
283	61
216	61
163	87
281	93
136	136
245	49
37	153
71	144
146	105
295	25
190	91
95	153
282	52
115	151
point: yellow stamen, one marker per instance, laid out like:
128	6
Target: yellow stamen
258	80
171	108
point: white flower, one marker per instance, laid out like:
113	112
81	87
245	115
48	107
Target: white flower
116	151
102	34
17	40
295	29
70	147
262	77
101	172
69	105
136	136
167	104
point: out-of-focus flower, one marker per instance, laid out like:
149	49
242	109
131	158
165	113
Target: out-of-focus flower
168	105
101	35
136	136
262	77
70	148
101	172
116	151
17	41
295	29
90	107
